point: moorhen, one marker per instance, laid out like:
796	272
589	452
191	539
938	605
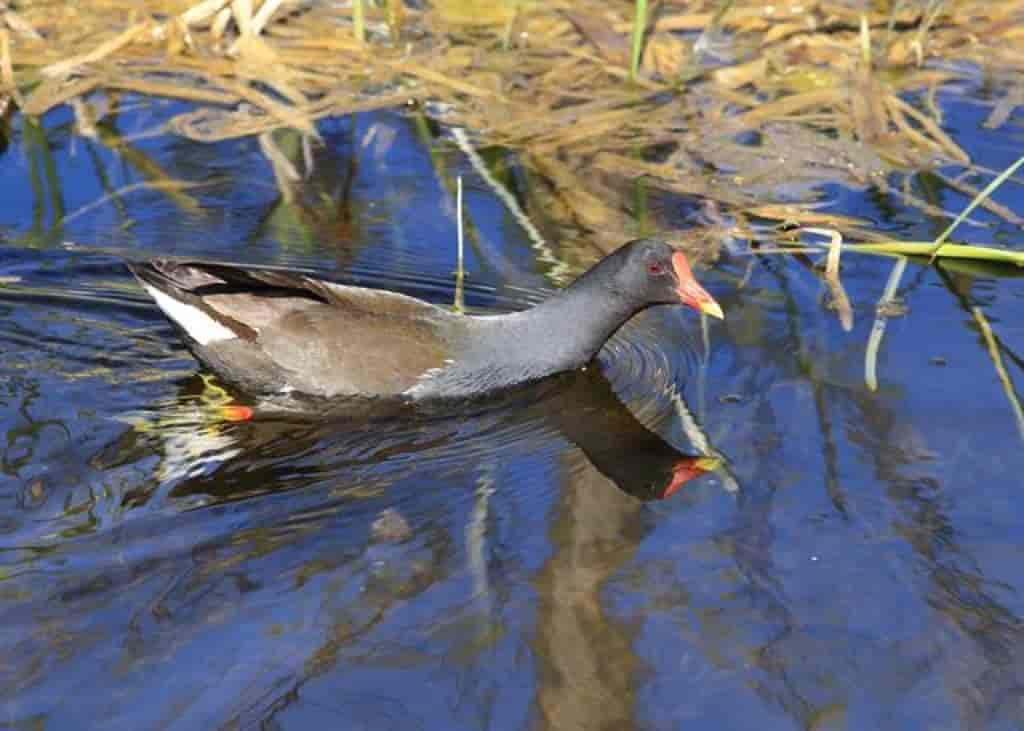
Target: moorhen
296	340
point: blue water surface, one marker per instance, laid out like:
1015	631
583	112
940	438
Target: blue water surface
855	563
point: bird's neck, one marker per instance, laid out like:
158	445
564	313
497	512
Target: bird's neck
567	330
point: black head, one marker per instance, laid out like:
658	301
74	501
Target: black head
655	273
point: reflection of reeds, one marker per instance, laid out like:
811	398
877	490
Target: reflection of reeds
997	360
840	301
559	269
7	69
149	168
42	167
168	186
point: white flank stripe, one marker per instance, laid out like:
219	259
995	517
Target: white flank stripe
201	327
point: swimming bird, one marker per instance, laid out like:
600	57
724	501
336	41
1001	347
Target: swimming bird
297	339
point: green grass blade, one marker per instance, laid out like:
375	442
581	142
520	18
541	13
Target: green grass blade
946	251
639	26
358	21
978	200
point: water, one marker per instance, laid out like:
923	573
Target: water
507	565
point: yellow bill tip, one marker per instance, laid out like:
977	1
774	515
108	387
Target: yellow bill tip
708	464
712	308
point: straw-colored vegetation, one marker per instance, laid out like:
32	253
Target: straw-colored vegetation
746	105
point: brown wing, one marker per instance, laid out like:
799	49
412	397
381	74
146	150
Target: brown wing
323	338
334	349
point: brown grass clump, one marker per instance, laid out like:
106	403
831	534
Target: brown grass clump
748	109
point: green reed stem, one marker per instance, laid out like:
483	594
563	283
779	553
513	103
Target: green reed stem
639	26
358	21
978	200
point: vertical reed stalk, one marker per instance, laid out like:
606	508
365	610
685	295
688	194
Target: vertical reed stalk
639	26
396	14
460	270
358	21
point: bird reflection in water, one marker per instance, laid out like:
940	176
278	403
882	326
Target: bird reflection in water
200	431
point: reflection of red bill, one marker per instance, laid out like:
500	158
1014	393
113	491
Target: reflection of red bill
236	413
686	469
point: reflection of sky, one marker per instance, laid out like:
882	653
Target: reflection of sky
856	576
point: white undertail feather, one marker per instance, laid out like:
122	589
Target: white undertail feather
200	327
426	376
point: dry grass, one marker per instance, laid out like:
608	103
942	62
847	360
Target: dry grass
821	85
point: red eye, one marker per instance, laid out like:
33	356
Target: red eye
655	268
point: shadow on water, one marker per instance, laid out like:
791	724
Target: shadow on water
553	558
